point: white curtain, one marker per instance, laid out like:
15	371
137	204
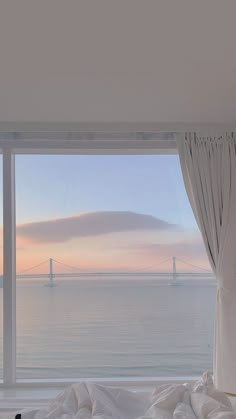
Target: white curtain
209	172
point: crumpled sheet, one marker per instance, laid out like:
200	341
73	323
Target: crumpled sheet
168	401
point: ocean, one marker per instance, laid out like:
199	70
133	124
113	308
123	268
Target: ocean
114	328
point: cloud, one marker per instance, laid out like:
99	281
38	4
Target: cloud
192	248
90	224
190	253
187	247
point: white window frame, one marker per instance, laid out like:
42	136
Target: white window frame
63	139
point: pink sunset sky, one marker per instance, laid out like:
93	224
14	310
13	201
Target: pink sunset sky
107	213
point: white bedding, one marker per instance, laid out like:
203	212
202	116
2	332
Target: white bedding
9	414
168	401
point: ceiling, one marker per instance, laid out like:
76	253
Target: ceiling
118	61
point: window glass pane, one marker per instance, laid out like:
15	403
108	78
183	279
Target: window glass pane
112	276
1	275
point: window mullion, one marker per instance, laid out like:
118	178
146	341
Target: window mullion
9	269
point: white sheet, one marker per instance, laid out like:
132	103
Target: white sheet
168	401
9	414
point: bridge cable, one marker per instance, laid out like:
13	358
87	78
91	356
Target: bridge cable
32	267
66	265
153	266
194	266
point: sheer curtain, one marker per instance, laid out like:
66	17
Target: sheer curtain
209	172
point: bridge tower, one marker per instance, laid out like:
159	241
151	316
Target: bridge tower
174	272
51	274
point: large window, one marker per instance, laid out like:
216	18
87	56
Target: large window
112	275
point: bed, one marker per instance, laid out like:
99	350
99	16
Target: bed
167	401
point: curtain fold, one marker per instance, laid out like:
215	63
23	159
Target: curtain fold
209	171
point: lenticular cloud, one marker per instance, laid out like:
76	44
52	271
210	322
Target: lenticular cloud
90	224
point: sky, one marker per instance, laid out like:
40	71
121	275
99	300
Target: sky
123	212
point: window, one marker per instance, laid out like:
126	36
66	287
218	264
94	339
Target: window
112	276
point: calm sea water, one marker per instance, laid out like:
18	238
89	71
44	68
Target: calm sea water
114	328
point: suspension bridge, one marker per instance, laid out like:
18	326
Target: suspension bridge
75	272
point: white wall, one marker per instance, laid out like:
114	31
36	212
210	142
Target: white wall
124	60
